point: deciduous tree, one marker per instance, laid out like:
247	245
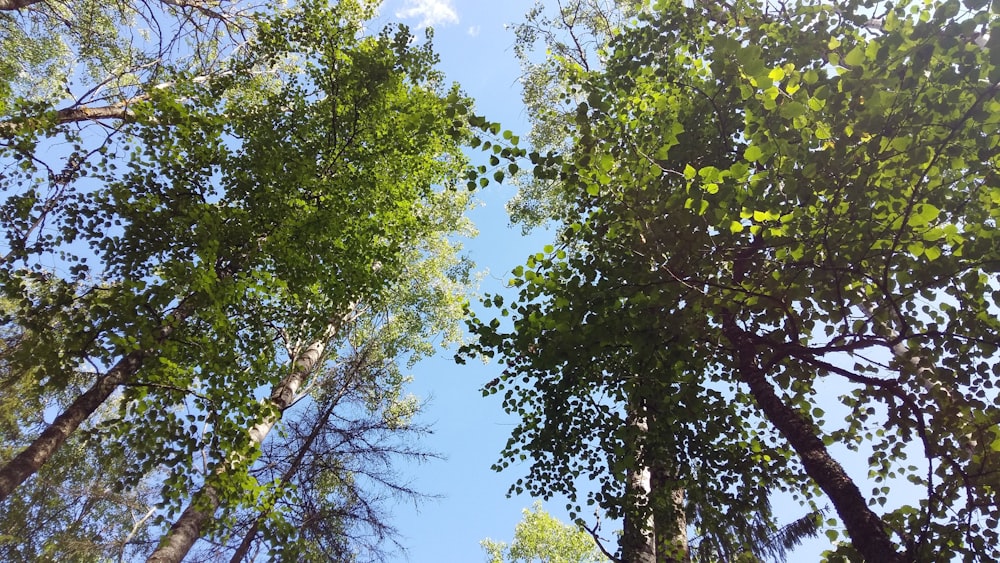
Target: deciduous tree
275	197
781	214
541	537
75	509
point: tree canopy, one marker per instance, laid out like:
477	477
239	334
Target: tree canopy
541	537
247	215
769	206
227	229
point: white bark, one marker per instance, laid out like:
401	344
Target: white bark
188	527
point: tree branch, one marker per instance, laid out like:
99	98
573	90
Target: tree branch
12	5
867	530
119	111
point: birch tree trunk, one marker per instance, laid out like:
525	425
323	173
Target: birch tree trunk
639	535
189	526
293	467
26	463
662	537
669	526
866	529
638	545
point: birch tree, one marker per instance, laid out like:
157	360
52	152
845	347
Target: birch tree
51	166
578	37
74	510
272	197
335	470
780	214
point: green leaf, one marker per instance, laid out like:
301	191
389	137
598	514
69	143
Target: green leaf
605	162
901	143
791	110
855	56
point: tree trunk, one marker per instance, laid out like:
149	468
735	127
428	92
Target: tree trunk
638	544
866	529
26	463
662	537
188	528
293	467
670	525
244	547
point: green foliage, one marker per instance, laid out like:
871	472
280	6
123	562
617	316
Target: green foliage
554	44
75	508
243	201
304	205
767	204
101	53
331	466
541	537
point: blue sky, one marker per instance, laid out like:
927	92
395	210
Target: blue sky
475	42
476	51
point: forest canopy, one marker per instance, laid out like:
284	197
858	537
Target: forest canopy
230	230
776	248
250	214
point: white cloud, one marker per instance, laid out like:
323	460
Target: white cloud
431	12
474	31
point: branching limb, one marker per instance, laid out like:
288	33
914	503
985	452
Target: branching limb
867	530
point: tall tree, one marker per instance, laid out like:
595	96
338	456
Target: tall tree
773	205
75	509
336	472
424	303
274	196
321	490
576	36
53	217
